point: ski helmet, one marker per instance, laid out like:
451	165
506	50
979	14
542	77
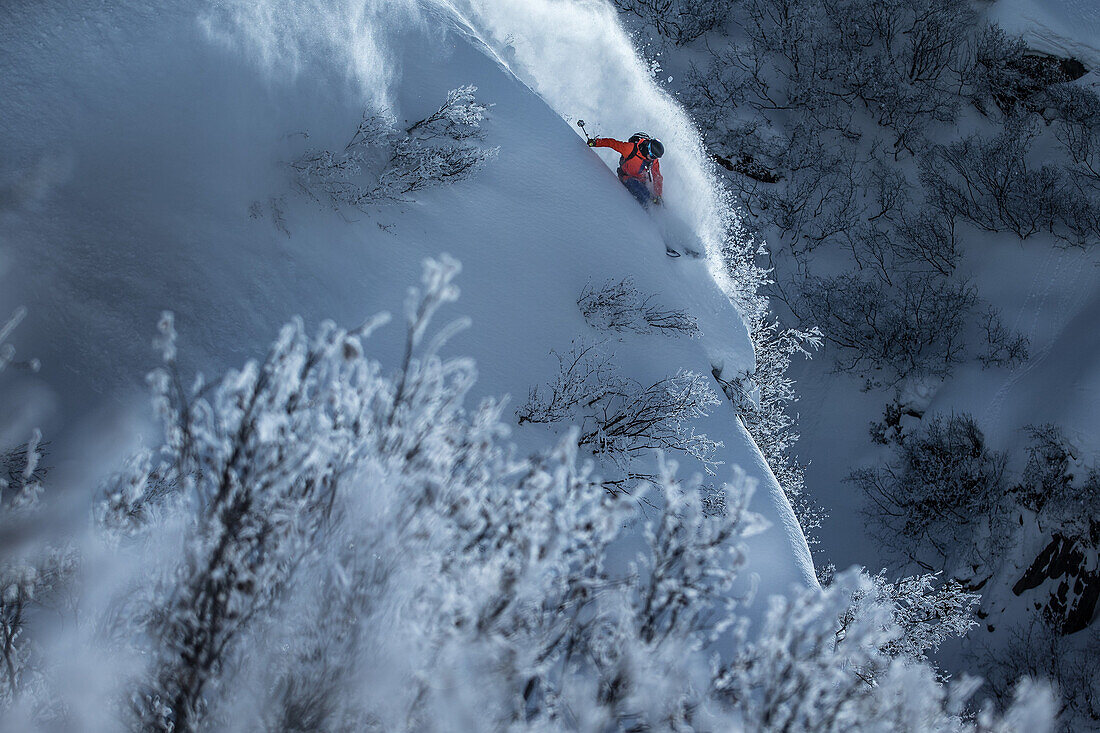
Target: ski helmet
652	148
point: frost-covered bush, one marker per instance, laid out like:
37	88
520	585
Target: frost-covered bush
382	163
33	570
762	400
33	574
785	679
498	610
927	612
256	461
321	544
340	522
619	417
620	306
740	274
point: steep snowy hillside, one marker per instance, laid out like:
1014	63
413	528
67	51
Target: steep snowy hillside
950	423
146	169
456	520
1044	291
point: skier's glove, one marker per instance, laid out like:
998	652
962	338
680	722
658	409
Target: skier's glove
591	143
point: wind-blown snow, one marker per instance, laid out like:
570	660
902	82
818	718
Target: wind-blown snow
577	57
145	170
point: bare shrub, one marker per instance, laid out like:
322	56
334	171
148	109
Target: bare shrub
802	185
991	183
938	502
913	245
901	61
619	417
898	62
925	241
1055	486
912	329
1080	215
818	199
1018	81
1078	129
680	21
1003	348
620	306
1036	648
994	74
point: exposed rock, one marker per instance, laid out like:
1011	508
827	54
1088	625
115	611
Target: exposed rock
1072	603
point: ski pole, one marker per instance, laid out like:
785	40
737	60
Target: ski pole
580	124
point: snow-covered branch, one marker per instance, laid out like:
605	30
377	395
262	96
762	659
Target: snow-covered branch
381	163
619	417
620	306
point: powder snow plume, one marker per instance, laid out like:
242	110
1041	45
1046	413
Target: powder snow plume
284	35
576	55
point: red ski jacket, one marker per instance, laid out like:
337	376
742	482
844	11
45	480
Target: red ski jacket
632	164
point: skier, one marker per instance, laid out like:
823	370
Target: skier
639	165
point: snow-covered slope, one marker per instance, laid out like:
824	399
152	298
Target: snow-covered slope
1043	291
145	169
1059	27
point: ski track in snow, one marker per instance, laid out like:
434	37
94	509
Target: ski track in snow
1035	303
1070	279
